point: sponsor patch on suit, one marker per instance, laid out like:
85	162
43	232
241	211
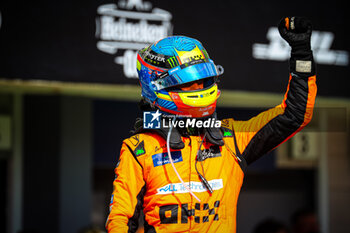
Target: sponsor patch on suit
163	158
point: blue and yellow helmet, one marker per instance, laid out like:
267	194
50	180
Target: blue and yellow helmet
171	62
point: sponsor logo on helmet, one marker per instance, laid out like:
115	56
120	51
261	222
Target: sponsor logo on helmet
128	26
172	62
321	43
154	58
149	55
188	56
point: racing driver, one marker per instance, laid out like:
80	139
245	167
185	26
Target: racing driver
187	179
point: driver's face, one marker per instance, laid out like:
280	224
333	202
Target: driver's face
191	86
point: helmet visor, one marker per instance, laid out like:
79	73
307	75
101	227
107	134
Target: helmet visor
185	73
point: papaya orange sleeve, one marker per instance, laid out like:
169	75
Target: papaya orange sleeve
127	197
274	126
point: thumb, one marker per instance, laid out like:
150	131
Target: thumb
283	27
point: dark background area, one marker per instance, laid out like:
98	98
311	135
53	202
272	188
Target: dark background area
56	40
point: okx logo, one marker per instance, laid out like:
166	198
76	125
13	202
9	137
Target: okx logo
151	120
202	213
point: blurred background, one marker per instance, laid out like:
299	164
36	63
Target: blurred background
69	94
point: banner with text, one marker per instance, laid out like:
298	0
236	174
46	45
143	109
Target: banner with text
96	41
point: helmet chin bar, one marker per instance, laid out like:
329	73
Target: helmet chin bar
197	103
193	112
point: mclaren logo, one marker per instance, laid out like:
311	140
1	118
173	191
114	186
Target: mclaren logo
321	43
128	26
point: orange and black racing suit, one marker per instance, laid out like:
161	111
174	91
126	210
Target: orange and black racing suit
146	180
